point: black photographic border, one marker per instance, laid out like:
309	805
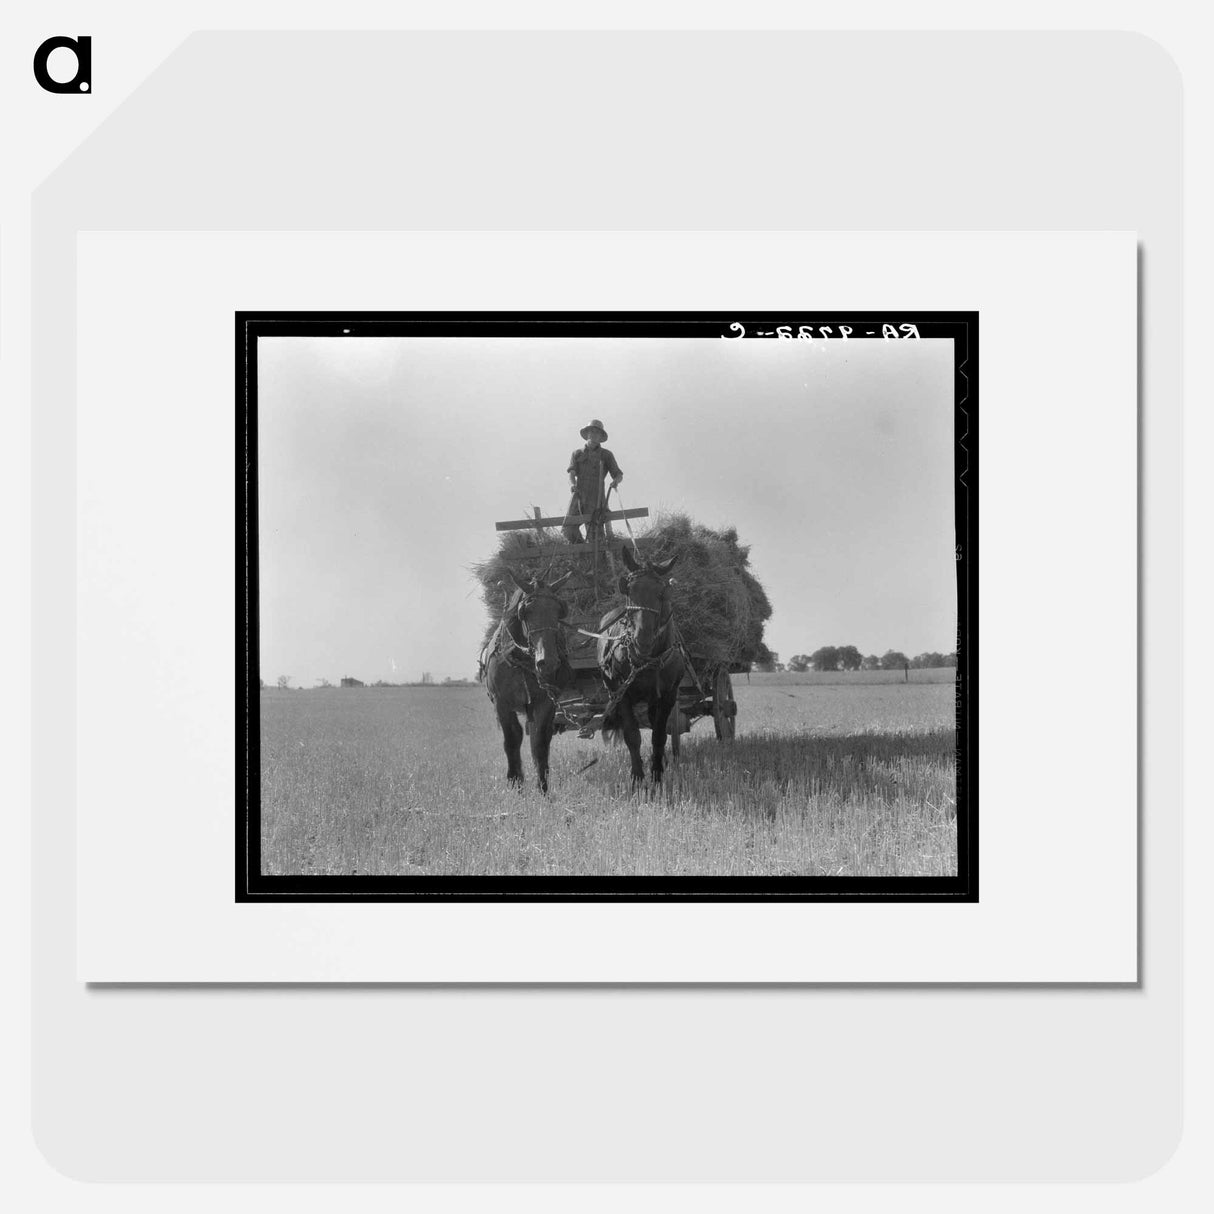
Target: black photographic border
253	886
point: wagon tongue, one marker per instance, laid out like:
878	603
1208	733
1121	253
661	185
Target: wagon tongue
568	706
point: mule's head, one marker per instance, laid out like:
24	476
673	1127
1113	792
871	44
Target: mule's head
647	588
539	611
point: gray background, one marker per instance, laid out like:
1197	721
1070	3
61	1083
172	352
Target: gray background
384	462
958	131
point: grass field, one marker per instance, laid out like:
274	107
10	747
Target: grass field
843	775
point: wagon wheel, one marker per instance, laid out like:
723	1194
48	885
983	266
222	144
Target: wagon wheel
724	709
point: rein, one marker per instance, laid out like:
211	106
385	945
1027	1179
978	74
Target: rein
635	546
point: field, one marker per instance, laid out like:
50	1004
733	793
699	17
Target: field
842	775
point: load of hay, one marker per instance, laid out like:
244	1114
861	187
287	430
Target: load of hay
720	606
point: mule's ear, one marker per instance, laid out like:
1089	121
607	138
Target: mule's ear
629	560
515	579
623	583
662	568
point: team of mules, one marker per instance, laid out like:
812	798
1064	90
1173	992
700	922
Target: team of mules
641	660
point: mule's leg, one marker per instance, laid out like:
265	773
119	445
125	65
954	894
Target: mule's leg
512	740
659	715
542	722
632	736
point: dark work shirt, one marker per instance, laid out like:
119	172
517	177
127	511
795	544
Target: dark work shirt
587	468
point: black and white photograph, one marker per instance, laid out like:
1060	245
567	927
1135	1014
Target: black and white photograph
607	605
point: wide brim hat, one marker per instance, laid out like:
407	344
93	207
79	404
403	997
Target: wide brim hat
595	424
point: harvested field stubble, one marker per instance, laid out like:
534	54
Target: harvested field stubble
829	779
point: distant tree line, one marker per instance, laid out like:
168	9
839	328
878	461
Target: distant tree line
848	657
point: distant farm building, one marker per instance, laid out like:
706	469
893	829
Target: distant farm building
348	682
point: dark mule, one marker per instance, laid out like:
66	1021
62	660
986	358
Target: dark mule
642	660
522	666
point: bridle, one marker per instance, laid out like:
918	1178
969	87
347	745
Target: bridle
665	614
520	655
666	646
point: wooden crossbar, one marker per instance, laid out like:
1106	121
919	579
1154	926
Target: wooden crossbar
575	520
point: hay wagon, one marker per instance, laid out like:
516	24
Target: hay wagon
704	694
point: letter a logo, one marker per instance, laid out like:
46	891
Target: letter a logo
82	81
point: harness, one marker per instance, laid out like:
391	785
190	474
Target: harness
506	646
625	640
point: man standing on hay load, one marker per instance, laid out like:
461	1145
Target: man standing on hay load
589	467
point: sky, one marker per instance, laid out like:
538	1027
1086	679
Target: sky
384	463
